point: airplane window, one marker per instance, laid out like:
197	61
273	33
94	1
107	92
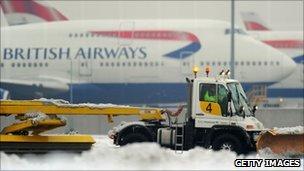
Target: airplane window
75	35
24	64
40	64
87	34
29	64
271	62
146	64
101	64
259	63
162	64
70	35
112	64
265	63
224	63
92	34
247	63
18	64
219	63
129	64
2	64
207	63
236	62
35	64
213	63
202	63
46	64
134	63
107	64
156	63
253	63
13	64
139	63
242	63
118	64
278	63
123	64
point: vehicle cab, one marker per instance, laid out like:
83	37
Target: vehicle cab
220	100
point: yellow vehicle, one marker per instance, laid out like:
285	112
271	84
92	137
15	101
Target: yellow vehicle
34	117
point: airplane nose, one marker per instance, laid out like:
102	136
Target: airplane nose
288	66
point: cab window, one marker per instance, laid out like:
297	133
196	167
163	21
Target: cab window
223	99
208	92
216	94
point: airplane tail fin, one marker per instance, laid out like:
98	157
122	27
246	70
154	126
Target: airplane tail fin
19	12
253	22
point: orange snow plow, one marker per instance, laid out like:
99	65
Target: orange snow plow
288	141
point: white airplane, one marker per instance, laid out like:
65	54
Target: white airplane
120	61
288	42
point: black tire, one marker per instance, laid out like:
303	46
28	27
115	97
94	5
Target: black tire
133	138
228	142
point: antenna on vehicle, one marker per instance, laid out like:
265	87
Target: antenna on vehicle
207	70
227	73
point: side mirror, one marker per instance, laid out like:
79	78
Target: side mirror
254	109
241	111
188	80
229	96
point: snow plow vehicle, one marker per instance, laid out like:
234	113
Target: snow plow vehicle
217	116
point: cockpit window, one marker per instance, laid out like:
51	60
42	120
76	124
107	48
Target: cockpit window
236	31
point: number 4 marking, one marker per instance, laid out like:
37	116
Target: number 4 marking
208	108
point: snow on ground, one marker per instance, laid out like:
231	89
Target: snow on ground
145	156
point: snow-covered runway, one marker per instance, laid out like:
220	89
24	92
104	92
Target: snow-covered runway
145	156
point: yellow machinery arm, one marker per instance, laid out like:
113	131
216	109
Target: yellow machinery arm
21	107
39	116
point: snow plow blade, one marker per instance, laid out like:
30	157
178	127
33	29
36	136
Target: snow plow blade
282	143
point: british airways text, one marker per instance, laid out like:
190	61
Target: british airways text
57	53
